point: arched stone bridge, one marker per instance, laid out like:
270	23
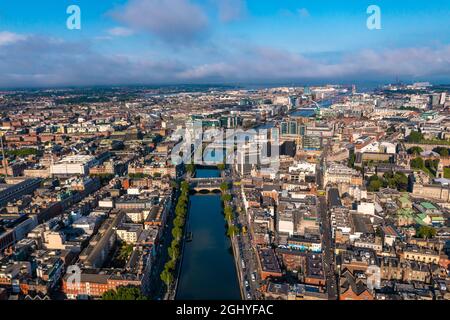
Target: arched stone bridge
206	184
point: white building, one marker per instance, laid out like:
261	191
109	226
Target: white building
367	208
286	223
129	232
73	165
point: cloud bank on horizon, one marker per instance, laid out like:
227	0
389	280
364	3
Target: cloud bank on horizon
226	41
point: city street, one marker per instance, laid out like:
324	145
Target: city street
246	260
327	249
325	223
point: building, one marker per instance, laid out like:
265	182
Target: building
73	165
129	232
14	192
268	264
353	288
340	174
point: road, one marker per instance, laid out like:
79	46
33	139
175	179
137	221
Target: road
158	288
327	249
246	259
325	224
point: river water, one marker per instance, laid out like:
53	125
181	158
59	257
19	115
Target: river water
208	271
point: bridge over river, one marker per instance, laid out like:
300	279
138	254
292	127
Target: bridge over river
207	184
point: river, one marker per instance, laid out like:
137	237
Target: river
208	271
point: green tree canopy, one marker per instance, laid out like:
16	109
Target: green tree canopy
443	152
224	186
177	233
375	183
174	252
426	232
124	293
415	150
232	231
417	163
415	137
227	197
167	277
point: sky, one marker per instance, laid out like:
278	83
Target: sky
128	42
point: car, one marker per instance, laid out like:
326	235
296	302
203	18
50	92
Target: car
246	284
249	296
253	277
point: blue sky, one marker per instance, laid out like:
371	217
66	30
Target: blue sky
230	41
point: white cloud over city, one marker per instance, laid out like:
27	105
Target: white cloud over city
44	61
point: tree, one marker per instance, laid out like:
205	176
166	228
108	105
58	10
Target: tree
174	252
228	213
184	187
401	181
167	277
351	160
426	232
221	167
375	183
178	222
374	186
417	163
227	198
190	168
170	265
224	186
443	152
415	137
232	231
415	151
125	252
124	293
228	210
177	233
180	211
432	166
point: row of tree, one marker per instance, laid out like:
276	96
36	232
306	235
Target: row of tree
167	275
228	210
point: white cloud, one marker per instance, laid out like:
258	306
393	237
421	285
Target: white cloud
120	32
10	37
173	21
44	61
